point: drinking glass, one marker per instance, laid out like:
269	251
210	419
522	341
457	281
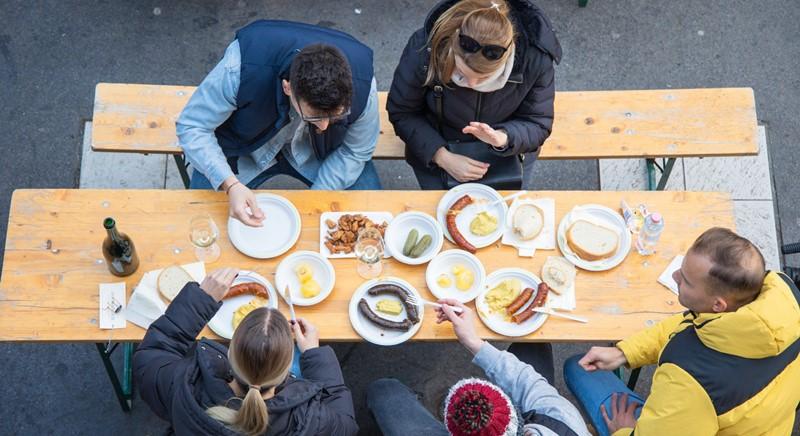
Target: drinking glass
204	233
369	252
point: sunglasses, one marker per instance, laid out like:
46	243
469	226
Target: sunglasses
490	51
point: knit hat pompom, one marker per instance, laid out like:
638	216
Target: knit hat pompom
475	407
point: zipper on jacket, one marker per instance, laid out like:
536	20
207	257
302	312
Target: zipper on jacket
478	107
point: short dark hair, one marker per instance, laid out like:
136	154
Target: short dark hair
320	76
737	268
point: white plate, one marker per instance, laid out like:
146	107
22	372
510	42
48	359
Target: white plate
371	332
443	264
222	322
281	228
402	224
495	321
602	215
321	268
375	217
479	192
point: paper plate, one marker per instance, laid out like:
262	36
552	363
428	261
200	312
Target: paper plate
602	215
495	321
402	224
483	194
375	217
372	332
279	233
443	264
321	268
222	322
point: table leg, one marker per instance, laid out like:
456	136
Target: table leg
124	389
665	170
634	378
181	163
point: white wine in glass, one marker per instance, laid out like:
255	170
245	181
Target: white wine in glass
369	252
204	233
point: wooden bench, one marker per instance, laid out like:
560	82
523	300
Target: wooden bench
666	124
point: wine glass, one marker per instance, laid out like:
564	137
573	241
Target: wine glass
369	252
204	233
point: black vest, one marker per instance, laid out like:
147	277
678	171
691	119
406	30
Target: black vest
267	50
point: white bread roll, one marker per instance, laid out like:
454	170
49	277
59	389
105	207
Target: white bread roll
528	221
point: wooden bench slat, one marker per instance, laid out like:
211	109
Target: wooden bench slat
588	124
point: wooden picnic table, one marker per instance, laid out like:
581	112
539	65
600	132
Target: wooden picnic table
53	261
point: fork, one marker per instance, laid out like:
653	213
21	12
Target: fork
486	206
412	299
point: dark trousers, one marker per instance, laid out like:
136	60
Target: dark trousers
432	179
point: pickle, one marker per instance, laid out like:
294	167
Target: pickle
411	241
421	246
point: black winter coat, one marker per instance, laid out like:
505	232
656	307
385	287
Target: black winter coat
179	378
523	107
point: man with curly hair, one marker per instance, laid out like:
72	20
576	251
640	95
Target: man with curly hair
286	98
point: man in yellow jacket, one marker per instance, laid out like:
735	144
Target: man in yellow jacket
727	366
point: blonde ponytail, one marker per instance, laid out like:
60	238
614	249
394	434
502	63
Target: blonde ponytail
260	353
486	21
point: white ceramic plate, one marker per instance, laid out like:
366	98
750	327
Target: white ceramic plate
222	322
321	268
373	333
375	217
495	321
279	233
443	264
402	224
483	194
602	215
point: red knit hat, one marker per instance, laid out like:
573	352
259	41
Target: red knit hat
475	407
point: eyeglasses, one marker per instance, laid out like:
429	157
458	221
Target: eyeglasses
490	51
330	118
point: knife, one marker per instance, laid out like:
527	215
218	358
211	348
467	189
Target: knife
288	296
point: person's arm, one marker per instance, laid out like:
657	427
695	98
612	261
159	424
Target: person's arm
212	103
407	107
644	347
157	361
344	165
676	400
527	389
532	122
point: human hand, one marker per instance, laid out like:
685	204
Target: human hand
218	282
605	358
496	138
463	323
622	413
305	334
240	197
460	167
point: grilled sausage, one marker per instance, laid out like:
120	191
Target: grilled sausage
458	238
520	301
403	325
538	301
252	288
402	294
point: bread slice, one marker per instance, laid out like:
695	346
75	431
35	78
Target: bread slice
592	242
171	280
528	221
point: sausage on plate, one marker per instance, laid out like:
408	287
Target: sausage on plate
402	294
368	313
252	288
520	301
538	301
458	238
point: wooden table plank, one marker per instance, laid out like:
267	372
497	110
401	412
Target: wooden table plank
50	276
587	125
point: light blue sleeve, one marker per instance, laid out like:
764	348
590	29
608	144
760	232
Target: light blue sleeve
343	167
211	104
527	389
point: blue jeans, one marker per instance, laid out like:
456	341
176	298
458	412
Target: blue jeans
397	410
368	180
592	389
295	368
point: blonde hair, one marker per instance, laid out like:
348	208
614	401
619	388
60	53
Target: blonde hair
260	354
485	21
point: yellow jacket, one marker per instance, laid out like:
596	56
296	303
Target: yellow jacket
733	373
